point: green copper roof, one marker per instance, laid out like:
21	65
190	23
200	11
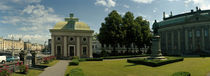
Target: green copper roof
71	24
186	17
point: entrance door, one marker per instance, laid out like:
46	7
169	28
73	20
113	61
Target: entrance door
58	51
71	49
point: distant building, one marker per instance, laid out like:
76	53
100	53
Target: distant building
27	45
71	38
49	45
16	45
1	44
185	33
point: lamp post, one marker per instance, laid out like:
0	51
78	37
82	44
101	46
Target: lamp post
12	45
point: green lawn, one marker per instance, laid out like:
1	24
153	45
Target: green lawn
196	66
32	72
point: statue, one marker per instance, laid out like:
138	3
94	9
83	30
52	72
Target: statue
155	28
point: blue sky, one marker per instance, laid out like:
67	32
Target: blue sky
32	19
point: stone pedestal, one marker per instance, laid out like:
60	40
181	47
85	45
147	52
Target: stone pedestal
23	54
34	53
156	49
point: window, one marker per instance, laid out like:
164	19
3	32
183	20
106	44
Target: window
71	39
190	34
205	32
198	33
84	50
58	38
84	39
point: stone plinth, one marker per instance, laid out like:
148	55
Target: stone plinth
156	49
23	56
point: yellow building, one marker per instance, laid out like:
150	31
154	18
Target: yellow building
71	38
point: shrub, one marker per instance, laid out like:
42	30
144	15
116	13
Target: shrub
76	72
23	69
75	57
119	57
155	62
94	59
74	62
181	74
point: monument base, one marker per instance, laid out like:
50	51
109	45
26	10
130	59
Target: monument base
159	57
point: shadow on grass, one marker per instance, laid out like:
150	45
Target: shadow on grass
130	65
67	75
39	67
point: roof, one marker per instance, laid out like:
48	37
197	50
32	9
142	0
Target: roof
185	17
71	23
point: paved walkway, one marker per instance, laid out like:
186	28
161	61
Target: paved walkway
57	70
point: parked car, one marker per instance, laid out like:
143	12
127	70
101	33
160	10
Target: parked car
10	59
16	58
3	59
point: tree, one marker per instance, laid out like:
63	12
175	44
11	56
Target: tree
139	37
110	30
129	29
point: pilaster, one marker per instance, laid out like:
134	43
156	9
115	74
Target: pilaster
78	46
90	47
65	46
186	40
202	39
52	46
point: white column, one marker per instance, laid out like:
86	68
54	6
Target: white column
78	46
90	47
52	46
65	46
202	38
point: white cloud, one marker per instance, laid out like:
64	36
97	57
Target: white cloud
106	3
126	6
4	6
203	4
26	1
173	0
143	1
33	18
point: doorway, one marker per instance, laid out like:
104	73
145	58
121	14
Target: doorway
71	50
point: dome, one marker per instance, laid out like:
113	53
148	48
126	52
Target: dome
71	24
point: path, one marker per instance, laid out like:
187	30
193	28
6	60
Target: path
56	70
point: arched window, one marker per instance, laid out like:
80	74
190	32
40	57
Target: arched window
58	38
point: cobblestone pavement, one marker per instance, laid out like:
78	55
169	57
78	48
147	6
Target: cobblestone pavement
56	70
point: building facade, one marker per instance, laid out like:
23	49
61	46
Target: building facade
186	33
71	38
10	45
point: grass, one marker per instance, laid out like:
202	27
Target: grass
51	63
196	66
32	72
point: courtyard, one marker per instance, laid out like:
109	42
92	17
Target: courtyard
197	66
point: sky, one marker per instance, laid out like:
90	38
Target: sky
32	19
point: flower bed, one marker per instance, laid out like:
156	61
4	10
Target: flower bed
7	69
48	59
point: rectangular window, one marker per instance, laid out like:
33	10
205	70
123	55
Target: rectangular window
84	50
190	34
206	33
198	33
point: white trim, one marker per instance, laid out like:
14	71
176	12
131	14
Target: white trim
69	50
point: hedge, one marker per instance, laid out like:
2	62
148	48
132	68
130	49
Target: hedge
119	57
91	59
181	74
155	62
74	62
76	72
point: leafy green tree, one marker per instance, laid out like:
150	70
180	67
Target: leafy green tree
129	29
139	37
110	32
